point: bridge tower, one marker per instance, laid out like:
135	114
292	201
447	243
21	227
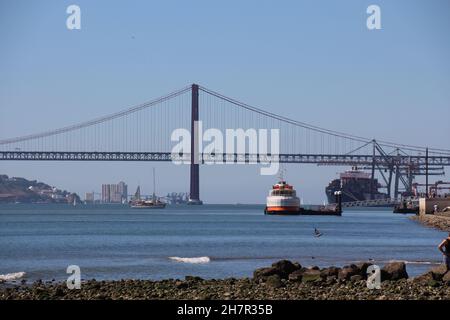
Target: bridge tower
194	197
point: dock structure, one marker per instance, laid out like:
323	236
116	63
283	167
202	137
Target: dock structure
388	202
433	205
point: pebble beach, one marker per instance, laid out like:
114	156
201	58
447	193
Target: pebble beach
282	280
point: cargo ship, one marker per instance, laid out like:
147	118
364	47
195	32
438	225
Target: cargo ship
356	185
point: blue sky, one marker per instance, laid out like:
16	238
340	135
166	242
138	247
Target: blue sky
314	61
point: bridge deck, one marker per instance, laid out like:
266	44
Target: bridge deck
331	159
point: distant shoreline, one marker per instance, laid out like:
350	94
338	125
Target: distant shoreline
440	221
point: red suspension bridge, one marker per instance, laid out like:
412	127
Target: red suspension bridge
143	133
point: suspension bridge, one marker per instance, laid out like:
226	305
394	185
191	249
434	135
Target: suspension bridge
143	133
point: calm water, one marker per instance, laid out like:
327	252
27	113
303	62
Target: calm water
113	242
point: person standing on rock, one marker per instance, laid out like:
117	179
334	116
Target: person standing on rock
444	247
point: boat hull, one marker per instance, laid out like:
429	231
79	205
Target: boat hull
148	207
302	212
282	210
406	210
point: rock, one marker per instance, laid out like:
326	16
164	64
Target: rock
285	267
311	275
356	278
263	273
193	278
394	271
424	278
331	279
363	268
274	281
281	268
438	272
446	278
348	271
297	275
59	292
328	272
181	285
433	283
95	285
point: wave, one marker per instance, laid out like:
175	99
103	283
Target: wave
12	276
421	262
415	261
191	260
410	262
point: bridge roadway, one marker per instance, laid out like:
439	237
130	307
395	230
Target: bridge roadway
330	159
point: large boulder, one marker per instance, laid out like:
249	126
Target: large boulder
285	267
439	272
311	275
274	281
297	275
435	274
356	278
281	268
394	271
329	272
348	271
425	278
446	278
263	273
363	266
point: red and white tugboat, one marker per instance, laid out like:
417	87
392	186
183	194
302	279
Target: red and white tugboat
282	199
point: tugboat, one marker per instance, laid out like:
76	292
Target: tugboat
153	203
282	199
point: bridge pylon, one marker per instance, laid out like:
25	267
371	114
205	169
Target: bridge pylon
194	196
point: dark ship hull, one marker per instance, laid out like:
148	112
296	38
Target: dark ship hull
355	186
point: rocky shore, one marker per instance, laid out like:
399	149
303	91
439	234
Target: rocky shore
439	221
282	280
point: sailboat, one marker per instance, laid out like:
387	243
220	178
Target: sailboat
153	203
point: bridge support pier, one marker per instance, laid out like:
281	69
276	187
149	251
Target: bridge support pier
194	197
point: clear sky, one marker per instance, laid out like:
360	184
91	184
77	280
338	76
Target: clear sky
314	61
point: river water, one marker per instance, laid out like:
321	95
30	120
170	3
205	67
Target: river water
211	241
